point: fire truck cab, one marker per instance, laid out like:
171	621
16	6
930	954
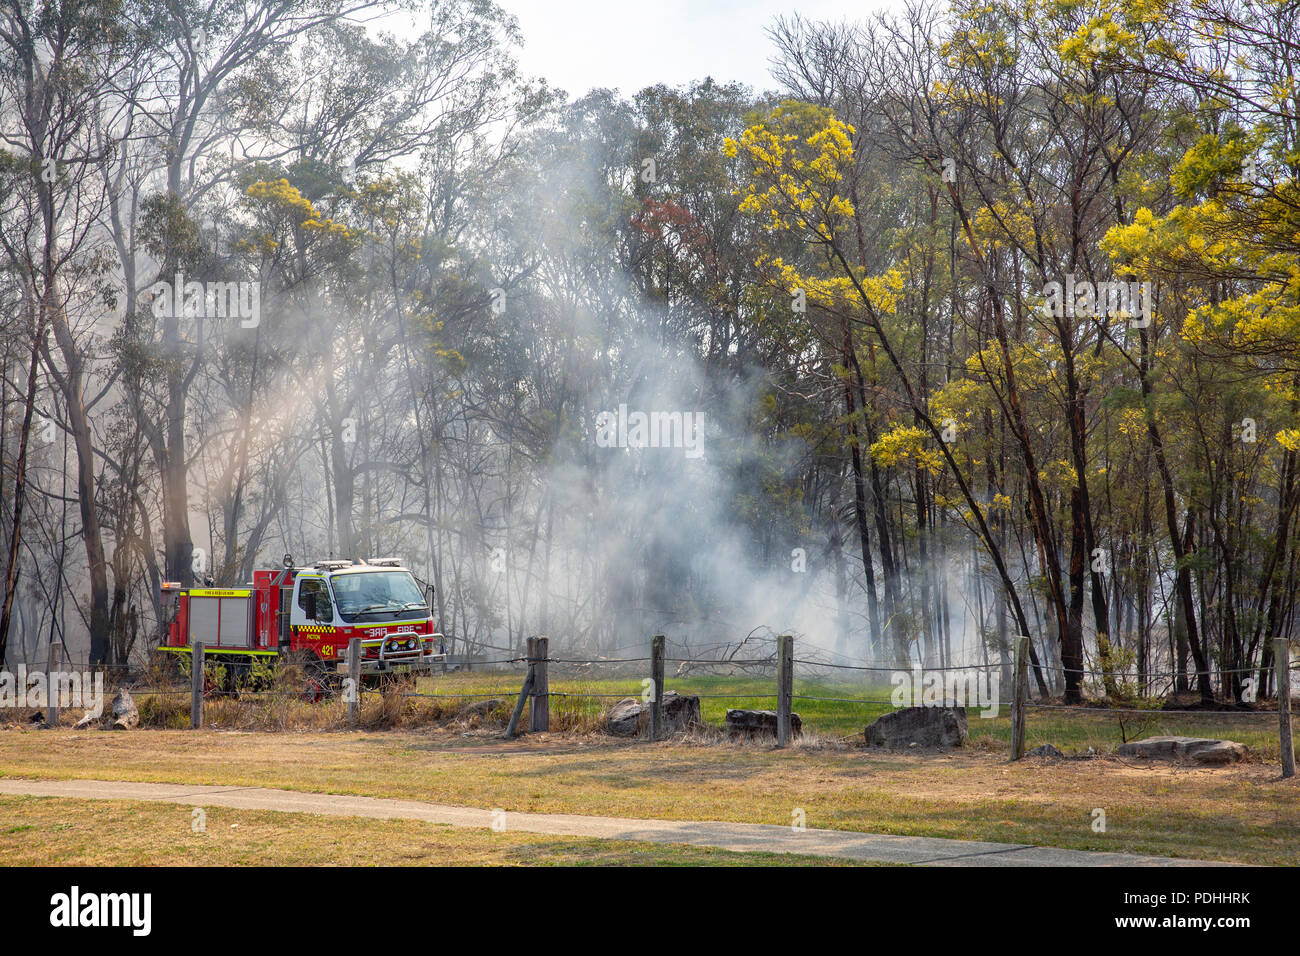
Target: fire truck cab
309	614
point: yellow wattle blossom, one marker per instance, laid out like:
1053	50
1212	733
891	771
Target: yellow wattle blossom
904	443
1218	239
281	193
798	156
331	228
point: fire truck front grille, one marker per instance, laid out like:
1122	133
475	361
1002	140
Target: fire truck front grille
406	647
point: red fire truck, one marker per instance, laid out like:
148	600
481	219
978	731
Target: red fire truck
307	615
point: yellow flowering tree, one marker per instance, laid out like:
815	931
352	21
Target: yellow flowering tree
797	159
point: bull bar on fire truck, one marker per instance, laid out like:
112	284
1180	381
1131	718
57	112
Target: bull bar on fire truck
405	652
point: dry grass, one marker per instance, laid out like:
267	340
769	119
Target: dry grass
1241	813
444	744
397	703
45	831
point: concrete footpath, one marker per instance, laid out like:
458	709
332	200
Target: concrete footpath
873	847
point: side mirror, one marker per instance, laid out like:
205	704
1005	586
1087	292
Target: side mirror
321	610
428	596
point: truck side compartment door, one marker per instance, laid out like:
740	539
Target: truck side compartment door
283	614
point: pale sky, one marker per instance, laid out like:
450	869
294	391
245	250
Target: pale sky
632	44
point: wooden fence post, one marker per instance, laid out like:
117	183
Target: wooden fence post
539	713
530	655
1282	668
196	685
657	679
1020	691
52	684
512	729
354	681
784	687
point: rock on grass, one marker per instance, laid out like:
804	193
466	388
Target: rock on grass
630	717
921	727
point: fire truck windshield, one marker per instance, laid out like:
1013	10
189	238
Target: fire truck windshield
377	595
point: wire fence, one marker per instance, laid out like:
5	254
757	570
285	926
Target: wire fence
832	696
894	670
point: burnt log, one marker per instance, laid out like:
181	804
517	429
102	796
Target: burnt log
1200	750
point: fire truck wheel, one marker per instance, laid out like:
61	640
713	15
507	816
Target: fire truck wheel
313	691
316	681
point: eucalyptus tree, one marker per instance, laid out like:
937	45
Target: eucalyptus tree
56	60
